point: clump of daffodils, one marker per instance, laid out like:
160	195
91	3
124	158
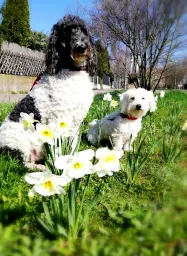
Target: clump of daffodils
73	166
107	97
113	103
108	161
162	94
27	120
76	166
45	133
46	183
61	126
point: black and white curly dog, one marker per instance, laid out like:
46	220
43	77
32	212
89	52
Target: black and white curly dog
63	90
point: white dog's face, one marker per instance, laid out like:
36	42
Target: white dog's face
136	102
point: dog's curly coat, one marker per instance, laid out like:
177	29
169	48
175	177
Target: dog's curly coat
121	127
63	90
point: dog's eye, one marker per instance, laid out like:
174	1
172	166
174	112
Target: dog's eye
143	98
132	98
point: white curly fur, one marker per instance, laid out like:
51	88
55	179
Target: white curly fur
116	127
67	94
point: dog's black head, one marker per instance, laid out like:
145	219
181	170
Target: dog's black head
70	47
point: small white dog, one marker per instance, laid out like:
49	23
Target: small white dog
121	127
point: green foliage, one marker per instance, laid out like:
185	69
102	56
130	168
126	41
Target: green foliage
38	41
4	109
67	215
172	148
15	24
146	217
136	159
103	64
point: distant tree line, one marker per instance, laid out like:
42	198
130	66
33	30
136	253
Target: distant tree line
103	62
15	26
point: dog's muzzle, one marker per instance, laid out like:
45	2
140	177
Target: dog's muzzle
81	49
138	106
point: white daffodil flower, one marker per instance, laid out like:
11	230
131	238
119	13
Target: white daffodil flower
76	166
107	97
46	183
61	126
93	122
120	96
44	133
113	103
156	98
162	93
108	161
27	121
184	127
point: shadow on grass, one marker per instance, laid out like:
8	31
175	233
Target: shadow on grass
10	215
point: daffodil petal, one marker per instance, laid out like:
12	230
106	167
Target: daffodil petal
36	177
59	190
61	161
102	173
40	189
62	180
32	192
31	115
85	154
101	152
119	153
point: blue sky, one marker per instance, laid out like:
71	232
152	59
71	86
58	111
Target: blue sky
45	13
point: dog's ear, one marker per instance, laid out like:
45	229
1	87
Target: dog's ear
55	46
92	62
124	97
152	102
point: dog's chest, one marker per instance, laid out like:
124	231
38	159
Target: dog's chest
69	95
129	126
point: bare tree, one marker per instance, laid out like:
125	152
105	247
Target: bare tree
175	74
148	28
120	64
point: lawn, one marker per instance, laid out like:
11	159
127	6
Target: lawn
140	210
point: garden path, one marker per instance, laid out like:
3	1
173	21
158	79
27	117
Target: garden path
12	98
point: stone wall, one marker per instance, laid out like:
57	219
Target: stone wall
15	84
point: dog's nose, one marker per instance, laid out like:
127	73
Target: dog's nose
138	106
81	49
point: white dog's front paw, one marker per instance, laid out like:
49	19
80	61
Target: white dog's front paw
92	139
118	148
127	148
32	166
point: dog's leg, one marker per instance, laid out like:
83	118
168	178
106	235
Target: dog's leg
32	160
128	143
32	166
117	141
93	135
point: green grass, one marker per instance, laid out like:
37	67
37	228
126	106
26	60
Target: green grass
144	217
19	92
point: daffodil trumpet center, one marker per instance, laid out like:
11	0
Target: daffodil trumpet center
77	165
47	133
26	123
63	125
110	158
48	185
